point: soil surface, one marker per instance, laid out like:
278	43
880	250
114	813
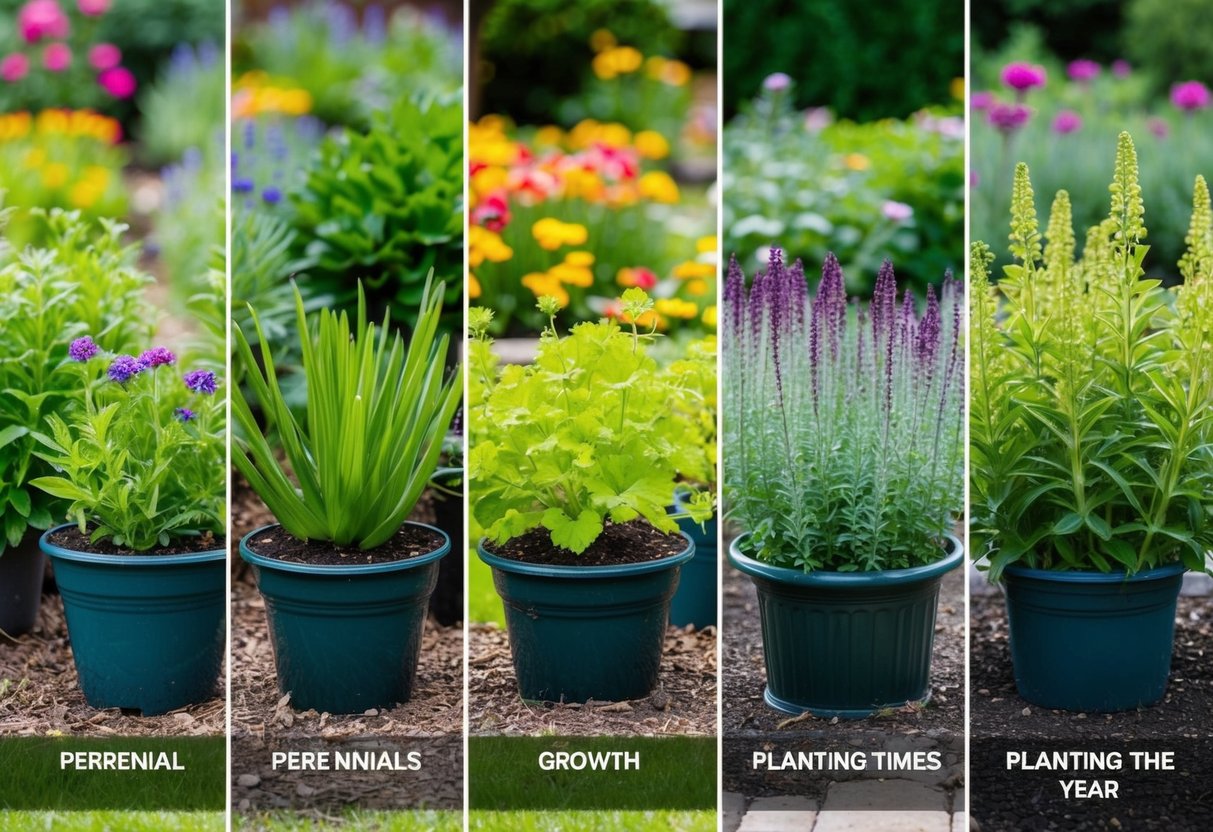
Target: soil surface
72	538
683	703
409	542
632	542
39	693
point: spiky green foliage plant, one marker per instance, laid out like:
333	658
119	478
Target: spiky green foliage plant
843	430
377	412
1091	423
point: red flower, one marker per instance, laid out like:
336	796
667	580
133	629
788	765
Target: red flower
493	212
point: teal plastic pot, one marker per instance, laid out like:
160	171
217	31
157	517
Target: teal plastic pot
586	632
346	638
846	644
1091	641
695	601
22	568
147	631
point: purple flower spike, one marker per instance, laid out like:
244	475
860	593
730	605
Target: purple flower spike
123	368
157	357
200	381
929	330
1022	77
185	414
82	349
1008	117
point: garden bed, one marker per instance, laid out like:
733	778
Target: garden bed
683	703
40	694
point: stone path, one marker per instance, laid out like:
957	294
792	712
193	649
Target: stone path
859	806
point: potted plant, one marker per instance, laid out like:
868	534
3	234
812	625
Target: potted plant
82	281
1091	429
844	469
141	567
572	463
345	579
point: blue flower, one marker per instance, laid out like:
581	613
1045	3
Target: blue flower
125	367
200	381
185	414
82	349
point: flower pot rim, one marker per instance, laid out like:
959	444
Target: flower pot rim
619	570
154	561
343	569
1091	576
841	580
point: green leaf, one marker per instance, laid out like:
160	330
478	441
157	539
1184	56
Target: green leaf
576	535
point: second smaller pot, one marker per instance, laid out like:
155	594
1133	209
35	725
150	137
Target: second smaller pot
22	568
695	601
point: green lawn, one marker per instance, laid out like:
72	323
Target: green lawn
592	821
405	821
112	821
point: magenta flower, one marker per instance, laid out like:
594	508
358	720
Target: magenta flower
896	211
118	82
1022	77
1083	71
57	57
125	367
103	56
982	101
1008	117
14	67
93	8
1158	127
82	349
777	82
1066	122
40	19
157	357
185	414
200	381
1121	68
1190	96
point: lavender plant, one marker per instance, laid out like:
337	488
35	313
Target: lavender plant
1092	415
843	425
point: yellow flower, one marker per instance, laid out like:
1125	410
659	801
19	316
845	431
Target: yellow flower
84	195
35	157
543	283
55	175
677	308
709	317
958	89
669	72
601	40
707	245
486	245
693	269
652	145
549	136
579	276
489	179
579	258
473	286
614	135
697	287
551	233
856	161
658	186
583	184
96	175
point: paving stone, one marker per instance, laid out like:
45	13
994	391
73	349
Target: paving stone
879	806
960	822
779	814
732	809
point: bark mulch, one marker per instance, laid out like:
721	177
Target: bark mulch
40	695
683	703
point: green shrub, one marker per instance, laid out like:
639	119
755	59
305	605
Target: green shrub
1172	38
184	109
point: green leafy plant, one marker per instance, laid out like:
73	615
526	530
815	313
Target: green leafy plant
185	108
843	429
141	464
1092	414
386	208
84	281
586	434
377	412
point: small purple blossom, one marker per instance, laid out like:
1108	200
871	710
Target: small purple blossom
1066	122
184	414
1158	127
157	357
896	211
817	119
1083	71
1121	68
1008	117
1190	96
777	82
82	349
982	101
1021	76
125	367
271	195
242	185
200	381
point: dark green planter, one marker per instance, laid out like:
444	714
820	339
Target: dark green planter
695	601
586	632
346	638
21	571
147	631
1090	641
846	644
446	604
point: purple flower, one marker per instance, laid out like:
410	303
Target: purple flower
125	367
1158	127
1190	96
242	185
817	119
776	82
1008	117
271	195
82	349
1083	71
1022	77
896	211
157	357
185	414
200	381
1121	68
982	101
1066	122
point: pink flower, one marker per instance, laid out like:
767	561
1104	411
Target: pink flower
982	101
1190	96
14	67
776	82
40	19
104	56
93	8
1121	68
1022	77
118	82
896	211
1158	127
57	57
1008	117
1083	70
1066	122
